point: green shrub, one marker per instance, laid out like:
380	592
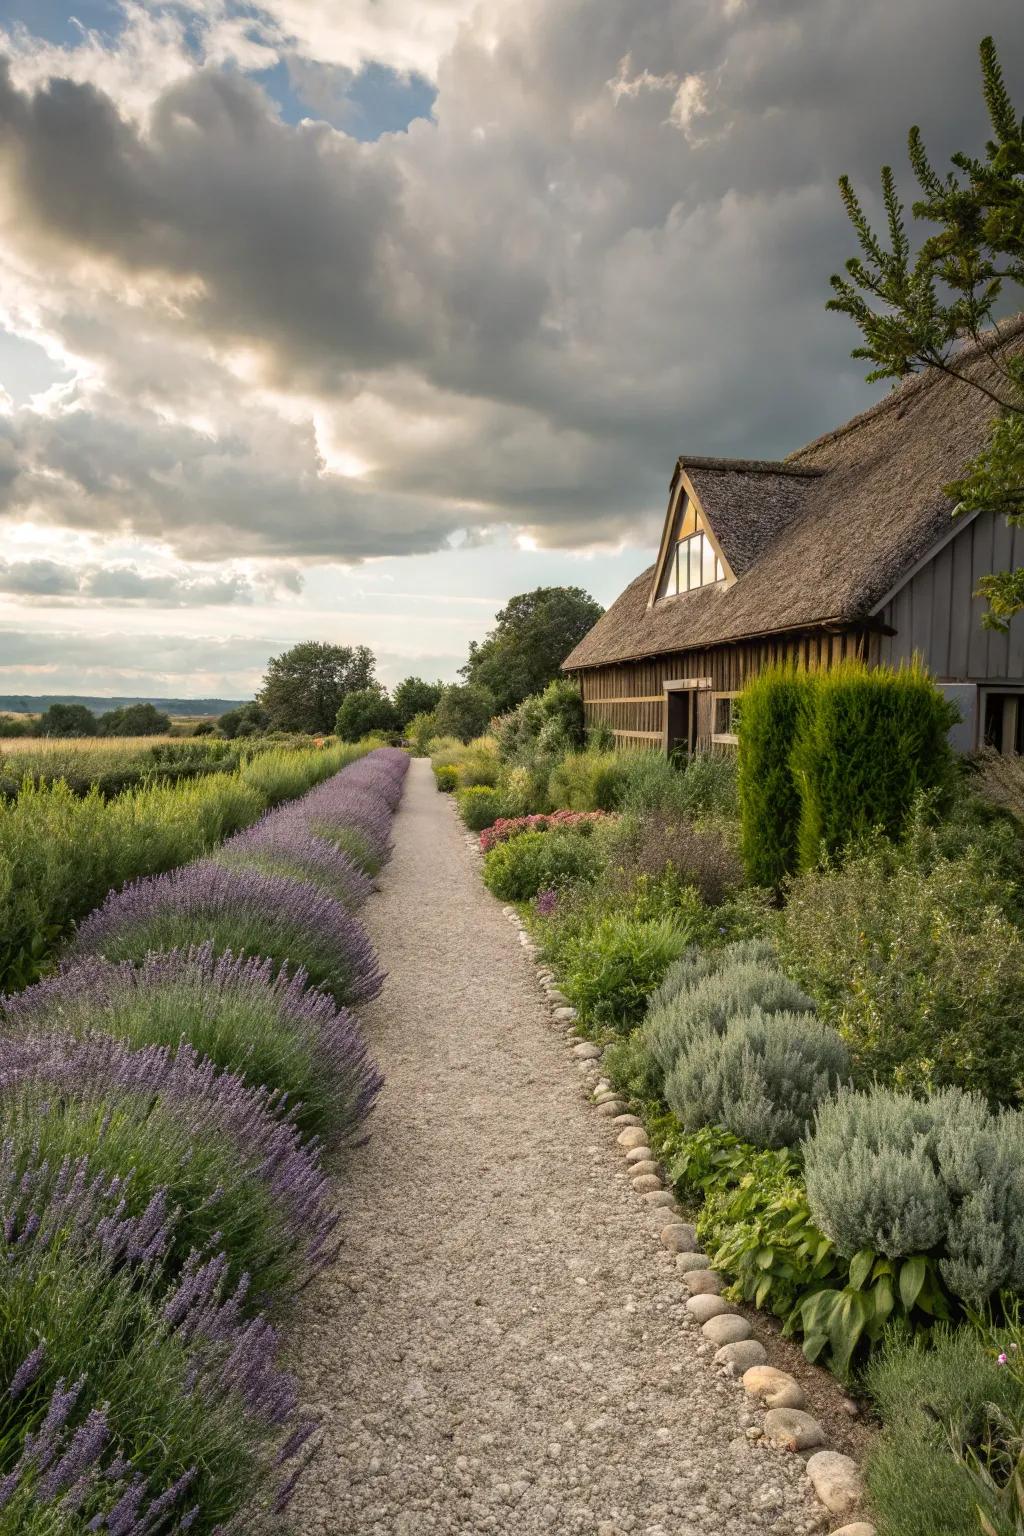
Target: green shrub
524	790
943	1407
701	786
588	781
549	723
771	709
480	806
419	733
698	963
919	970
872	741
611	968
903	1176
446	776
757	1227
630	1066
761	1078
516	870
658	843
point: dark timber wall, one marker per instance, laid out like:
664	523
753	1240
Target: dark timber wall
631	698
936	616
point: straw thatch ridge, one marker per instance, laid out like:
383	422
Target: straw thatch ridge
821	537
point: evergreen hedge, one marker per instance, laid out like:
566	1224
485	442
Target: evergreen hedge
826	757
873	740
773	705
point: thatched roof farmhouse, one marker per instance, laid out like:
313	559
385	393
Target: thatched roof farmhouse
846	548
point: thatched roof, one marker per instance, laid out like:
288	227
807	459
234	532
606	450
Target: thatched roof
818	538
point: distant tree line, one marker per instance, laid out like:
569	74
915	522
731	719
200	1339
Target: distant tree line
78	720
315	688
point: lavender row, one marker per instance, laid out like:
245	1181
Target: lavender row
201	1126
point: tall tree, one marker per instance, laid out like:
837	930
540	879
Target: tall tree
464	711
304	687
365	710
135	720
533	635
67	720
914	311
415	697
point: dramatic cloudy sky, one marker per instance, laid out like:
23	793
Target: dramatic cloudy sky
346	319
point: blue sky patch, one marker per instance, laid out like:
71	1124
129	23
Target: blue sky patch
62	21
364	104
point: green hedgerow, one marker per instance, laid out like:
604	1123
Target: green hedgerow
762	1078
516	870
871	742
772	708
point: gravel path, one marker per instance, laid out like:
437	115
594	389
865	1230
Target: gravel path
502	1345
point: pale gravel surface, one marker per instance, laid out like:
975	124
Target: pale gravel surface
502	1345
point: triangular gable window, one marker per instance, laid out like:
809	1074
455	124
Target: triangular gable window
692	560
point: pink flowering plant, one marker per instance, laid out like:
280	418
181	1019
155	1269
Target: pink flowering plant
512	826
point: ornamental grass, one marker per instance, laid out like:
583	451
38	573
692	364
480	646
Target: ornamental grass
274	1030
241	910
125	1406
240	1176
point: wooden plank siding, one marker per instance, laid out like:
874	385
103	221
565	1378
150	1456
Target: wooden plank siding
936	616
630	697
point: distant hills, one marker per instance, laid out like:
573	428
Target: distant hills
36	703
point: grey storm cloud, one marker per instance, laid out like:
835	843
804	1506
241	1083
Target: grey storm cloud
611	244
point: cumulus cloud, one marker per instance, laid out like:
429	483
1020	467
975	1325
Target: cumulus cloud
611	244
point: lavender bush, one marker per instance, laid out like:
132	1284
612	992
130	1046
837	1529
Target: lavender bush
239	1174
284	845
353	810
273	1030
241	910
124	1407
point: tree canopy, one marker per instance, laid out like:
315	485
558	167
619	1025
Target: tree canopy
533	635
365	710
67	720
464	711
914	311
415	697
135	720
304	687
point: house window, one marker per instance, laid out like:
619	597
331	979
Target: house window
694	562
1004	722
725	718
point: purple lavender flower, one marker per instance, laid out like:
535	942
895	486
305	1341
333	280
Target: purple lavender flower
284	845
286	921
268	1147
225	1005
546	903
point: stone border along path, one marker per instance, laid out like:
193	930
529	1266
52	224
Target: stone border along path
515	1338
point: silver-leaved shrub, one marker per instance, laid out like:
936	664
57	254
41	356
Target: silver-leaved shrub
942	1175
761	1078
704	1006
